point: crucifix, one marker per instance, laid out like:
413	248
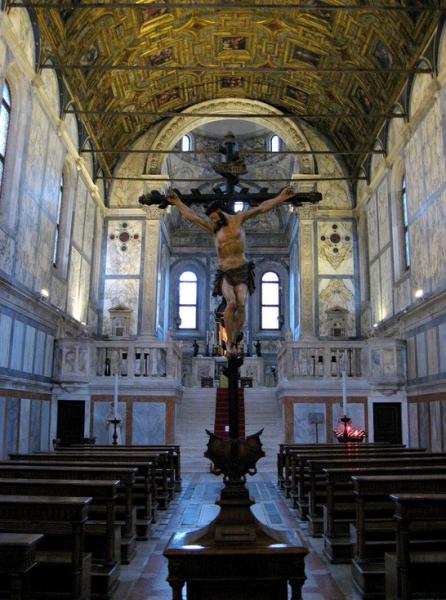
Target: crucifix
235	278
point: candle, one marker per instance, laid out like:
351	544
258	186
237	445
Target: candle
115	398
344	393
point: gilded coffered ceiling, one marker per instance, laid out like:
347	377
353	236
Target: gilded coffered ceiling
304	61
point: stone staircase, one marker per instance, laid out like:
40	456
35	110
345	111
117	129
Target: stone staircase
263	411
197	411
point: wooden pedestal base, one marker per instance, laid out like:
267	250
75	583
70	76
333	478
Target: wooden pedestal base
235	556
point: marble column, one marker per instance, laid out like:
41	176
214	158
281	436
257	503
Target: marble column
151	265
307	215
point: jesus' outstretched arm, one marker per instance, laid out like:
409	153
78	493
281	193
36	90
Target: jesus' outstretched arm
268	205
188	213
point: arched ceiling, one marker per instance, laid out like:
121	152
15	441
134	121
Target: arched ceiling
306	62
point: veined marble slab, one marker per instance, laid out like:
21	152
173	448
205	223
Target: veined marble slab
103	411
17	345
12	424
28	356
149	423
24	428
5	339
304	432
45	426
34	431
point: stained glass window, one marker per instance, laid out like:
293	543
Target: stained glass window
405	218
58	216
5	114
187	300
270	301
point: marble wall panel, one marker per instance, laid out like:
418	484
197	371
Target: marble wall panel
355	411
421	270
402	295
442	339
39	358
37	149
103	411
421	355
119	261
304	432
2	427
372	226
436	220
411	358
413	425
28	237
375	291
149	423
435	415
335	248
24	427
424	424
53	175
28	355
23	31
90	218
44	265
121	291
35	425
332	293
386	285
18	336
79	215
81	307
45	426
5	339
49	351
382	196
432	351
12	424
58	293
7	249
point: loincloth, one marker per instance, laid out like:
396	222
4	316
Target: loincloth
244	274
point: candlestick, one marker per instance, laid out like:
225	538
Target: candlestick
115	398
344	392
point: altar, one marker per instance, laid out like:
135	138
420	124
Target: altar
206	368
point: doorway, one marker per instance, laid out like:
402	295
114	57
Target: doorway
387	422
70	421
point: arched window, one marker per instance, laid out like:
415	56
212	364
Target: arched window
239	206
405	224
270	301
5	114
56	243
186	143
187	300
275	143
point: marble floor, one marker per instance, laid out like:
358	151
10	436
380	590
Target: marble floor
145	577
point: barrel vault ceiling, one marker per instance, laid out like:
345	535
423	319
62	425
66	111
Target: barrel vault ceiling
314	61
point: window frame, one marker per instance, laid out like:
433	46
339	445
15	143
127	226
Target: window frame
188	137
405	237
263	305
279	143
8	108
179	328
57	232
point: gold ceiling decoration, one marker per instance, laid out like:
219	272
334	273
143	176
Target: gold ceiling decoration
328	61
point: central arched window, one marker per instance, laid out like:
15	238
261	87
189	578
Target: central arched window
5	117
275	143
270	301
186	143
405	222
187	300
58	218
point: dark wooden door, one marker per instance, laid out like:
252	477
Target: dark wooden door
70	421
387	422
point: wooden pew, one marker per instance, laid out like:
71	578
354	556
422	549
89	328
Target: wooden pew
104	543
54	470
340	508
56	570
416	571
145	487
374	532
17	558
174	451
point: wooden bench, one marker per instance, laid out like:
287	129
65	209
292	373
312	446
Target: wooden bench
415	572
126	476
17	558
101	539
57	571
374	532
340	508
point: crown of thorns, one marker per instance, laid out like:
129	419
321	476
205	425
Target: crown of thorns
216	206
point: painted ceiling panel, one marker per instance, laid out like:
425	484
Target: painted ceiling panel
316	55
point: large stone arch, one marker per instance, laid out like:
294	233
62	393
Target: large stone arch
177	127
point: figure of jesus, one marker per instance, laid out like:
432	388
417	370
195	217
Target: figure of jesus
235	275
